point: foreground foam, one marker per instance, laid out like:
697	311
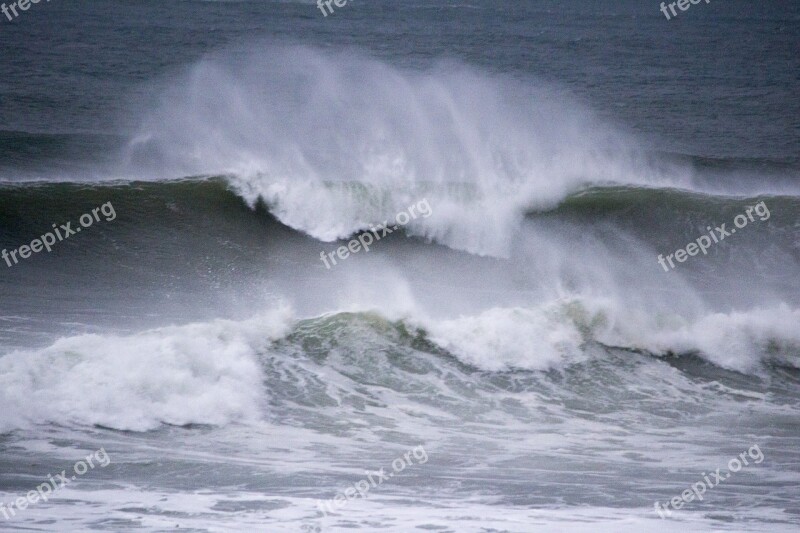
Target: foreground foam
135	507
212	373
200	373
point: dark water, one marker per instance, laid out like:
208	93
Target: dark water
519	342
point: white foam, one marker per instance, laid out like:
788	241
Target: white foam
502	339
210	373
553	335
160	510
739	340
200	373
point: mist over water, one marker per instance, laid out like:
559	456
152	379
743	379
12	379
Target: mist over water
333	141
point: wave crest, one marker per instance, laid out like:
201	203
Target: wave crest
336	142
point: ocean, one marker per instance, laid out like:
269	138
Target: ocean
408	265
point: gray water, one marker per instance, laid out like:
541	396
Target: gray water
515	357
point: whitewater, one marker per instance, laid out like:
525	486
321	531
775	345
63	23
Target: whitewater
523	332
